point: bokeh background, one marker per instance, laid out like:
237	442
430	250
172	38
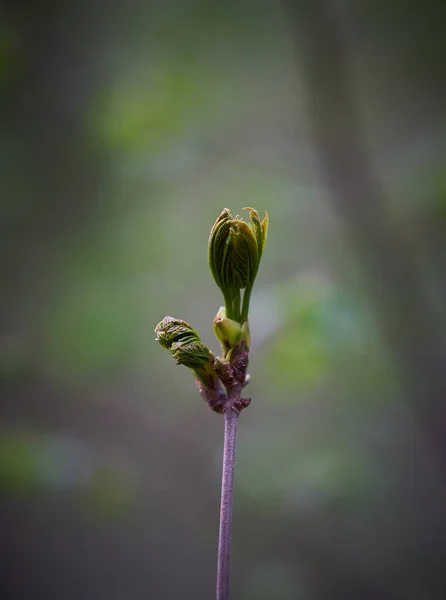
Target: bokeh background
126	127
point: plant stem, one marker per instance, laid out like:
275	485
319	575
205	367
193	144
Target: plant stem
227	497
236	305
228	306
245	307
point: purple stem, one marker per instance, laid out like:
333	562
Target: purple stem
227	496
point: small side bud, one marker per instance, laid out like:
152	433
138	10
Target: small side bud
230	333
241	404
227	331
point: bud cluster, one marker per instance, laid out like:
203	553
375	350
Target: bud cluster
234	253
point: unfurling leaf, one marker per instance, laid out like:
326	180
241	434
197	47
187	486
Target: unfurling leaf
187	349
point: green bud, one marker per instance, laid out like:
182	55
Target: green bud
234	253
227	331
186	347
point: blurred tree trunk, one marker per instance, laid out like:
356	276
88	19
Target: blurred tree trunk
395	286
51	167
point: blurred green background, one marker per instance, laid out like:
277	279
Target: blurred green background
126	127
